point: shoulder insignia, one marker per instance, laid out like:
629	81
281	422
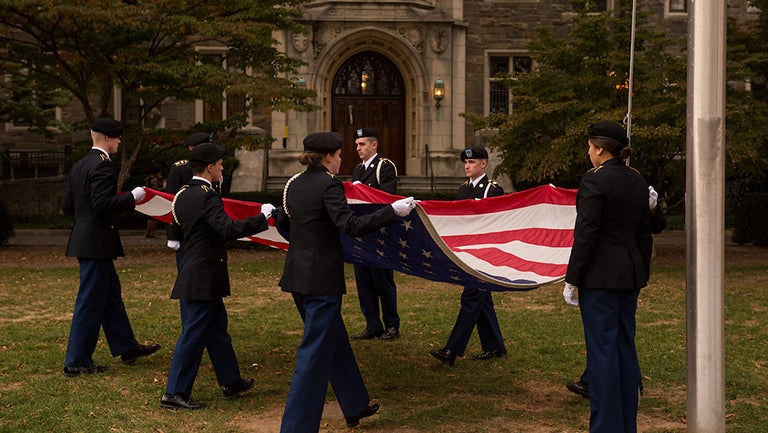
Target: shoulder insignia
181	162
207	188
285	193
635	170
173	204
378	168
494	183
595	169
330	174
103	157
465	183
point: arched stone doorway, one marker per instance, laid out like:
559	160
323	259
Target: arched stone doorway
368	91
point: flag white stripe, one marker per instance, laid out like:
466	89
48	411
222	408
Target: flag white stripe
155	207
546	216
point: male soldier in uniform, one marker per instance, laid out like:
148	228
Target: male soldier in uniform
476	304
92	198
180	175
203	281
375	284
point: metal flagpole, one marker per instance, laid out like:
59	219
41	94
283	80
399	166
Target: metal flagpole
704	216
628	118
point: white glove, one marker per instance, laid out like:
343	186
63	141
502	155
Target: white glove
569	294
403	206
267	209
357	182
653	197
174	245
138	194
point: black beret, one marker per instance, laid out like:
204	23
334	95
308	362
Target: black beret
109	127
474	152
323	142
610	130
199	138
207	153
366	132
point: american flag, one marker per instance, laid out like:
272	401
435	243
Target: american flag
517	241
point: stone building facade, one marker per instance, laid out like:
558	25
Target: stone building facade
378	63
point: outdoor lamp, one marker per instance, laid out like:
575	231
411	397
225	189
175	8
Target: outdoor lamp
439	92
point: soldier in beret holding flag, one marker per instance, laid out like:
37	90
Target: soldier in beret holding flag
375	285
92	198
180	175
203	281
314	212
476	304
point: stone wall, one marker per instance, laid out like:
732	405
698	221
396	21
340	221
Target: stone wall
43	196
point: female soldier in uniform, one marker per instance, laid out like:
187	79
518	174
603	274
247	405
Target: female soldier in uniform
609	264
314	212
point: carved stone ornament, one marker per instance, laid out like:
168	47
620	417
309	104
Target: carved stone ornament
324	36
300	42
438	40
413	35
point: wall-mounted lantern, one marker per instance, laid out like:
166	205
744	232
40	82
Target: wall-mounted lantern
438	94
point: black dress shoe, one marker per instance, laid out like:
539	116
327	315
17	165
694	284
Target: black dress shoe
444	355
390	333
76	371
176	401
578	387
373	407
488	354
367	334
139	351
239	387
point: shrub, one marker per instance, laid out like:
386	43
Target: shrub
751	220
6	225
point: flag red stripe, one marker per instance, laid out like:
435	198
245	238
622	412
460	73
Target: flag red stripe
500	258
546	237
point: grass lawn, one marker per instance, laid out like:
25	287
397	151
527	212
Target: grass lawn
523	392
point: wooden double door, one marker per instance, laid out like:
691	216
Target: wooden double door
368	93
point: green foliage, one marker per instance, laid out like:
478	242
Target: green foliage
751	219
583	78
747	139
85	48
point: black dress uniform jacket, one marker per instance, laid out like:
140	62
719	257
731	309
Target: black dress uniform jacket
380	169
484	188
179	176
315	212
92	198
612	200
205	226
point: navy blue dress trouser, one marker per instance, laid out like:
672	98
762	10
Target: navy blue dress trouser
374	284
476	309
608	316
204	326
324	355
99	303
